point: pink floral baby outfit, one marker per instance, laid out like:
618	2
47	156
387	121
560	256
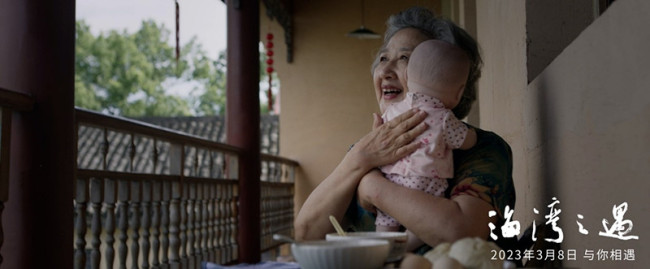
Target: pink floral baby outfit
428	168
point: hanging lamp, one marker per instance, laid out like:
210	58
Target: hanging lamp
362	32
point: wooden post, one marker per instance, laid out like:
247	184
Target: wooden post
243	118
37	52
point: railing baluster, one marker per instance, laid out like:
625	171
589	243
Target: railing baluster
219	223
96	198
205	203
165	223
156	209
122	211
175	219
179	220
190	222
226	224
198	223
146	222
234	213
212	246
135	222
179	209
183	224
155	224
110	196
264	215
80	223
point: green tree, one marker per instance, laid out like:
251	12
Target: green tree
210	74
129	74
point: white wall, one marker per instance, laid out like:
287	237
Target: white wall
593	104
579	131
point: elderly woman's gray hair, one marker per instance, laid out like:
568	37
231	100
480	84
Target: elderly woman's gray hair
437	28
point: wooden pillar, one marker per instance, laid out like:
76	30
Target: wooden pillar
37	58
243	118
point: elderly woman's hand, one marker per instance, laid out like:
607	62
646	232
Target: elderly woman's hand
388	142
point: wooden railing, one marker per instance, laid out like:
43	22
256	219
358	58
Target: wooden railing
148	197
10	102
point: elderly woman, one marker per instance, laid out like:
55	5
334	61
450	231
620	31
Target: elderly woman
482	179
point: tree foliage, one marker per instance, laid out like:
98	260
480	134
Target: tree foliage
131	74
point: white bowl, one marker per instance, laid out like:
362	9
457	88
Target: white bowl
363	254
397	241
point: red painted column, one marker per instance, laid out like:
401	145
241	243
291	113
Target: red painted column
243	118
37	58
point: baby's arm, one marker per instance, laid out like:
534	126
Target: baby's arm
457	130
470	139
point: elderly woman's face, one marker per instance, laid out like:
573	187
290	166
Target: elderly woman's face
388	75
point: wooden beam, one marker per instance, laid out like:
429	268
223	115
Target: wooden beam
37	52
243	118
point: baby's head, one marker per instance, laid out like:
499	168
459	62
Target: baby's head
438	69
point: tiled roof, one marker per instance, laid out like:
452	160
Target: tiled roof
212	128
91	143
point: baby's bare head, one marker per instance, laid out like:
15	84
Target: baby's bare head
438	69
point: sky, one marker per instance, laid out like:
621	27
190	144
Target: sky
205	19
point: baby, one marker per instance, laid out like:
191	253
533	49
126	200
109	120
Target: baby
436	75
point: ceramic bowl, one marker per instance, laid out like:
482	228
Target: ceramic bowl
322	254
397	241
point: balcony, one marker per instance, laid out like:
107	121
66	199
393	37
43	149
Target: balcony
151	197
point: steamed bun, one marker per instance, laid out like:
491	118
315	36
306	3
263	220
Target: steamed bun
471	253
441	250
475	253
446	262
